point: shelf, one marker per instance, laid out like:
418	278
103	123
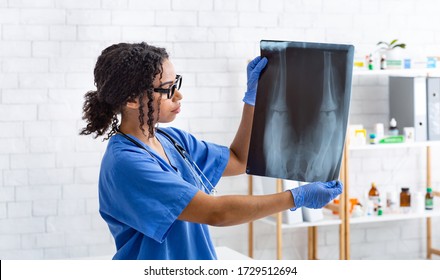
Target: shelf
327	221
394	217
398	72
394	146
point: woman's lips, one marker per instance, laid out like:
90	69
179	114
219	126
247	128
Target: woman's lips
177	110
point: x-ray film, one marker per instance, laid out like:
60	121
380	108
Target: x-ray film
301	111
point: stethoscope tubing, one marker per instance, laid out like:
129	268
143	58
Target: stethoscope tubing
192	165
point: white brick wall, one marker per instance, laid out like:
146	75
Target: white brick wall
48	174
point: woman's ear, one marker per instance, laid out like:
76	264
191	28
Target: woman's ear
133	104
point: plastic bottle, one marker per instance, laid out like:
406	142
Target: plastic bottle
383	62
429	199
393	130
373	195
370	207
373	139
379	131
391	201
370	62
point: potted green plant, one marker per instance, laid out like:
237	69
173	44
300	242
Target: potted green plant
392	53
391	45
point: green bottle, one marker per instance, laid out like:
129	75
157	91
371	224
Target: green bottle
429	199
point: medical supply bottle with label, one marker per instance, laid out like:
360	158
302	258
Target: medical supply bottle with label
429	200
405	200
370	62
383	62
373	195
393	130
373	139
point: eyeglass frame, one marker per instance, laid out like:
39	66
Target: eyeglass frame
170	91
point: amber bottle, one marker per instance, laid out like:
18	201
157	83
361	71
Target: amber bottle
405	198
373	195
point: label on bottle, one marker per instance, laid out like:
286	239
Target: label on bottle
374	199
429	204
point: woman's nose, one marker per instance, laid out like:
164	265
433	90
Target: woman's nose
177	95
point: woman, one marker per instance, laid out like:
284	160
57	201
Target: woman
155	185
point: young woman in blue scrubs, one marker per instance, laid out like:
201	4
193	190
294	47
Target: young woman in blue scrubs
151	198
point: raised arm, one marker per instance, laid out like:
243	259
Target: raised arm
240	145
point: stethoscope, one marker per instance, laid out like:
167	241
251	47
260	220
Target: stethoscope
190	163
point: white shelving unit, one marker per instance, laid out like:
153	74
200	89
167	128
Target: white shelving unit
391	216
425	144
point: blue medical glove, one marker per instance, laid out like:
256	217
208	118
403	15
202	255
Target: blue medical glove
254	69
315	195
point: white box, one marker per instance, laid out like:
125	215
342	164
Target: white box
293	217
289	217
312	215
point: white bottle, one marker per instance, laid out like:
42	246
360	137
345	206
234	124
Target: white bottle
419	202
370	208
379	131
392	202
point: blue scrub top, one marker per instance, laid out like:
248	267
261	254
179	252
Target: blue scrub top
141	197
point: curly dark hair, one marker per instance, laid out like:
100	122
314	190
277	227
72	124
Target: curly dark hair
123	72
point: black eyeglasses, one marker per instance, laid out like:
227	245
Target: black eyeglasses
170	91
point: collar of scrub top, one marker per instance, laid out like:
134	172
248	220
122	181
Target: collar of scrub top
193	167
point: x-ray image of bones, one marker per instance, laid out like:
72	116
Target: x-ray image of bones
328	137
302	114
275	140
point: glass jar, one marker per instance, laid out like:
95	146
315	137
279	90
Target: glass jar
405	198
